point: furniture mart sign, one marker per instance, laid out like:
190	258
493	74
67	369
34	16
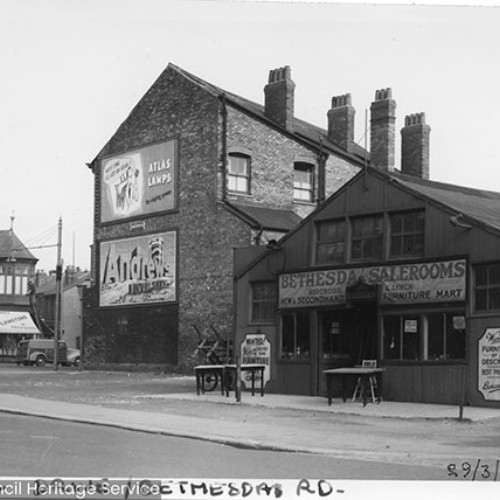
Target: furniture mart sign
415	283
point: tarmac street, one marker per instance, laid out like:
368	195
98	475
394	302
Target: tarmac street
397	433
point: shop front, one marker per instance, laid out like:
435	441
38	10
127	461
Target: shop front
15	326
407	316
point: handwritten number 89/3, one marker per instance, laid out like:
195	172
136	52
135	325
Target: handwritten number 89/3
473	471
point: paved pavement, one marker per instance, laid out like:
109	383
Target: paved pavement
268	432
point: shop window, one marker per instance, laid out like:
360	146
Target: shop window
295	336
303	181
402	337
407	234
433	337
330	243
487	287
264	301
367	238
238	173
446	336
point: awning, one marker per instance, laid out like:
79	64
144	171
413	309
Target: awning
17	322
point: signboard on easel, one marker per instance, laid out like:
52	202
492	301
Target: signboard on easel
256	349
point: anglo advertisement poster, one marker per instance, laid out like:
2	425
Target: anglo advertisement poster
139	182
489	364
138	270
416	283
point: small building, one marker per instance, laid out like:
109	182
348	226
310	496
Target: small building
17	268
71	304
393	267
193	172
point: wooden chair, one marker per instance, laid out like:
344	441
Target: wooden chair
372	382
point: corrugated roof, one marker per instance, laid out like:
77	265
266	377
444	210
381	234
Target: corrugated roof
271	219
478	205
301	129
11	246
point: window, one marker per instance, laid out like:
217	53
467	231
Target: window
402	337
303	181
433	336
264	301
487	287
330	244
367	239
238	174
295	339
14	279
407	234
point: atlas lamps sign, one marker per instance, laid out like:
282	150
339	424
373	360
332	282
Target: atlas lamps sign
139	182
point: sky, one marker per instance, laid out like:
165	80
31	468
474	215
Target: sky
72	70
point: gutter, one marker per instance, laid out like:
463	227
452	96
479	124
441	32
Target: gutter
223	113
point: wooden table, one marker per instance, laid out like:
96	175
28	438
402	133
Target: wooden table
252	368
345	373
223	374
202	371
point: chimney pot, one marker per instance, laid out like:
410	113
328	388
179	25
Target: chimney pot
415	146
382	137
279	97
341	122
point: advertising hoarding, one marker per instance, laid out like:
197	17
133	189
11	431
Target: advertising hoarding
416	283
139	182
140	270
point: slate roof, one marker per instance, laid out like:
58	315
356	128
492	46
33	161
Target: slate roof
11	246
476	205
302	130
272	219
49	287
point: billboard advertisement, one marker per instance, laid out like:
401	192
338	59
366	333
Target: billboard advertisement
416	283
140	270
139	182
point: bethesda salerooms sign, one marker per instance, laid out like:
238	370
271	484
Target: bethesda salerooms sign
139	182
412	283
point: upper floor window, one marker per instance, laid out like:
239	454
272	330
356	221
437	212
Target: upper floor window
303	181
407	234
487	287
238	173
264	301
330	242
367	238
14	279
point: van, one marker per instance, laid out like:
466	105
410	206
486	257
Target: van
39	352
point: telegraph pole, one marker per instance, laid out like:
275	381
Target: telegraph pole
58	294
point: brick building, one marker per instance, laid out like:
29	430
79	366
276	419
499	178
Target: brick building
192	173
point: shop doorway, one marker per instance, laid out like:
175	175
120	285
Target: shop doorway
347	336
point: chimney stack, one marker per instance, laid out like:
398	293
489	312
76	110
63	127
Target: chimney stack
382	138
279	97
415	141
341	122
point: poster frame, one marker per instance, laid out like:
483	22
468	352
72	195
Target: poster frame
102	159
